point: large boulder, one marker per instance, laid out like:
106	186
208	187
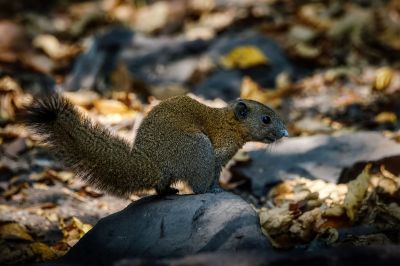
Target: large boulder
171	226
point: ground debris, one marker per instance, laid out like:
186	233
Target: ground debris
302	210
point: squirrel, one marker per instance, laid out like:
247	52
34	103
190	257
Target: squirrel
180	139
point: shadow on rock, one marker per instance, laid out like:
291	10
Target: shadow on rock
319	156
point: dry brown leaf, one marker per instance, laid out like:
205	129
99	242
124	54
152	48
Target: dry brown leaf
82	98
357	189
306	51
106	107
14	231
52	46
16	147
65	176
158	12
276	220
394	210
316	14
14	189
304	226
249	89
74	230
335	211
383	78
11	97
44	252
39	62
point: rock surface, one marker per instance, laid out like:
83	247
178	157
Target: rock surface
172	226
318	156
368	256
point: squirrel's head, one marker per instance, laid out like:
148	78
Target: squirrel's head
262	123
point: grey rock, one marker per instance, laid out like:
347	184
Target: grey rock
172	226
349	256
318	156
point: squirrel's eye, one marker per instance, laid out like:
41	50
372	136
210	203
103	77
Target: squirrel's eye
266	119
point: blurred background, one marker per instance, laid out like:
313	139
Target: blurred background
328	67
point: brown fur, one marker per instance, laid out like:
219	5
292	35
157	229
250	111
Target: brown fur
180	139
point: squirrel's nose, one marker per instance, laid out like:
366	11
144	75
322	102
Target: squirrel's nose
284	133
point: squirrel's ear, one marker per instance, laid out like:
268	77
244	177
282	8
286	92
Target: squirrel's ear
241	110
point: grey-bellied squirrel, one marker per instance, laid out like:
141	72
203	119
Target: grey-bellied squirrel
181	139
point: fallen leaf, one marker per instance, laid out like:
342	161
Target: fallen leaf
315	14
386	117
14	189
394	210
83	98
39	62
74	230
303	226
44	252
383	78
250	90
106	107
277	220
357	189
14	231
11	97
335	211
244	57
15	147
159	14
52	46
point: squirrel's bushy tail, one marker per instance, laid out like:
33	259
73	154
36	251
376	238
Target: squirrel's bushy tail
93	152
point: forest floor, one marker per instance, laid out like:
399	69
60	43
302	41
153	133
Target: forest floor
330	68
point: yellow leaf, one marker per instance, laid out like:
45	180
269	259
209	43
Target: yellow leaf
75	229
83	228
82	98
383	78
357	190
65	175
86	227
386	117
250	90
106	107
14	231
244	57
44	251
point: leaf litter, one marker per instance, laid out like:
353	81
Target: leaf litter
44	209
300	211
